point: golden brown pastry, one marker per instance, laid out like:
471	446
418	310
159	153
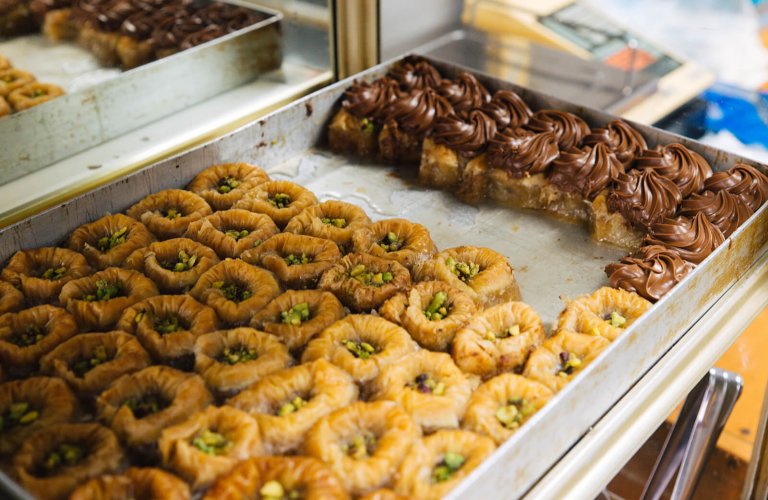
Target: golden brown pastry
363	282
110	240
280	200
332	220
97	301
33	94
383	494
437	463
236	290
606	313
12	79
5	63
230	360
28	335
5	108
168	213
498	339
363	443
278	478
561	357
209	443
40	273
138	406
298	261
174	265
432	312
27	406
299	315
90	362
286	404
429	386
51	463
500	406
11	299
146	483
398	239
232	232
361	345
480	272
223	185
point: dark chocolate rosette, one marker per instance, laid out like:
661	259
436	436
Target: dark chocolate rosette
745	181
568	128
508	109
724	209
587	170
416	74
650	272
694	239
644	197
464	93
521	152
468	136
683	166
621	138
366	100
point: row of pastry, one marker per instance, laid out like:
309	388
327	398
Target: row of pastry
19	90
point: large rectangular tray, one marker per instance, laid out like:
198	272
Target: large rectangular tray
551	257
108	103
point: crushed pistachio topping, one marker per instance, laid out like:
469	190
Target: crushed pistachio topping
437	308
616	320
361	445
167	325
211	443
54	274
510	331
569	363
273	490
227	184
237	234
292	406
361	350
30	335
83	366
296	314
109	242
390	242
462	270
184	262
65	455
172	213
447	467
18	414
148	404
369	278
232	291
39	93
8	78
280	200
427	384
239	354
104	291
295	260
367	126
340	222
512	414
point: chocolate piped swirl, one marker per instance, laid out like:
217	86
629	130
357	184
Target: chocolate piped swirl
651	271
743	180
412	75
522	152
465	93
468	136
623	139
686	168
725	210
508	109
587	170
568	128
644	197
368	100
416	111
694	239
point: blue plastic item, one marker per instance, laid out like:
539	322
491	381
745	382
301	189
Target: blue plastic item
741	112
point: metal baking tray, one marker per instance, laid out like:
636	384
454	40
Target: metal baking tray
551	257
104	103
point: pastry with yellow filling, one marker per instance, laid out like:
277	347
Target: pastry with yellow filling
33	94
108	241
332	220
168	213
174	265
561	357
280	200
11	299
606	313
136	482
232	232
224	185
398	239
40	273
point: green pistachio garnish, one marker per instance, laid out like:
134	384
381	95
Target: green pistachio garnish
296	314
511	331
104	291
273	490
361	446
227	184
617	320
65	455
99	356
39	93
340	223
232	291
172	213
236	234
367	126
437	309
369	278
515	412
462	270
292	406
109	242
148	404
280	200
54	274
168	325
447	467
235	355
427	384
361	350
295	260
569	363
211	443
184	262
390	243
31	335
17	415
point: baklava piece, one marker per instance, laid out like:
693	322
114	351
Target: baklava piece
42	272
650	272
97	301
278	478
429	386
174	265
397	239
236	290
232	232
167	214
745	181
224	185
5	108
561	357
137	407
438	463
33	94
363	443
605	313
361	345
11	299
5	63
332	220
498	339
59	24
209	443
12	79
27	406
110	240
90	362
483	274
52	462
297	260
363	282
280	200
135	482
288	403
500	406
299	315
168	325
231	360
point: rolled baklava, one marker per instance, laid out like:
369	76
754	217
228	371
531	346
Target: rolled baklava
232	232
40	273
110	240
224	185
168	213
174	265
